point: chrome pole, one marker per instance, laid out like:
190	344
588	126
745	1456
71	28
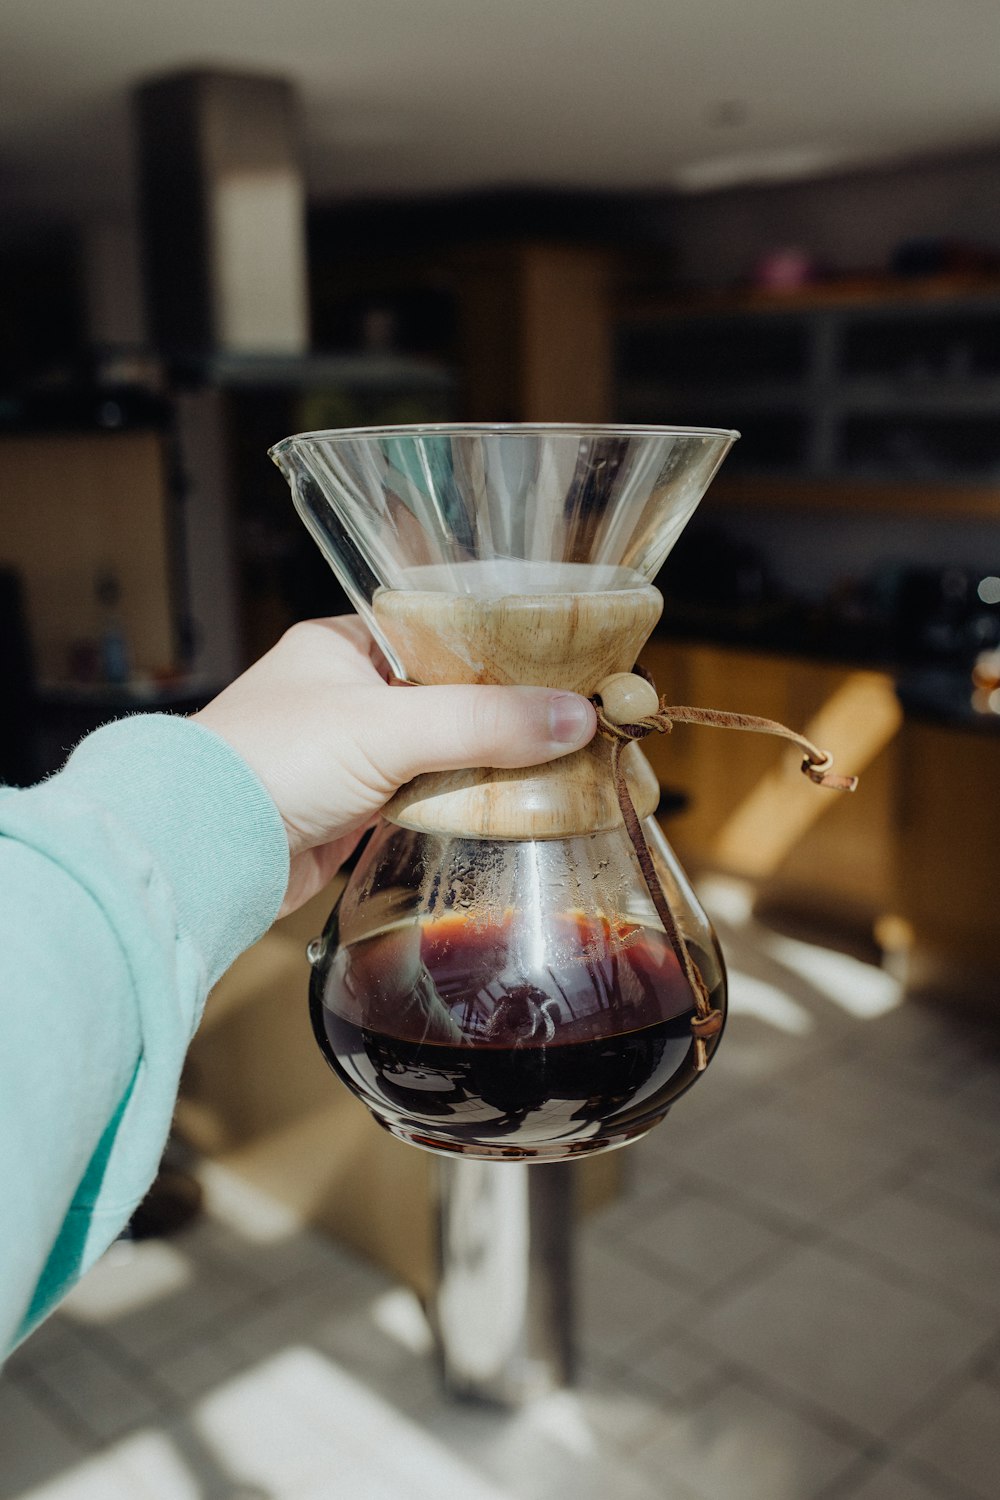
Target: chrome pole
502	1306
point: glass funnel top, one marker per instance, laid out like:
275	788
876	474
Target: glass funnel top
498	510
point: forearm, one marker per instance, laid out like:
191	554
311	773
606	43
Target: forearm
132	880
71	1048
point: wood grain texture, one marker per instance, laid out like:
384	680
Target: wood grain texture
750	812
569	641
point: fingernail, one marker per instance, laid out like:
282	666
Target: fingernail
571	719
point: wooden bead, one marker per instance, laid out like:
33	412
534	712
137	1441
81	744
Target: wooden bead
627	698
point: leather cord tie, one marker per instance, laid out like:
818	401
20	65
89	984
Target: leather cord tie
817	765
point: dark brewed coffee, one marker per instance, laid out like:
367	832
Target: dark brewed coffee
458	1038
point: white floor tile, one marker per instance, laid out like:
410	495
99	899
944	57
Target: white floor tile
707	1107
99	1478
174	1462
930	1047
276	1324
962	1440
216	1248
529	1459
296	1424
34	1446
866	1095
681	1368
620	1304
354	1338
638	1200
292	1260
960	1259
358	1344
703	1241
969	1187
657	1161
156	1468
772	1032
894	1483
753	1052
609	1409
181	1319
193	1373
741	1446
844	1338
53	1339
129	1279
104	1399
790	1159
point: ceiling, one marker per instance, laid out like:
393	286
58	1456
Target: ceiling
410	96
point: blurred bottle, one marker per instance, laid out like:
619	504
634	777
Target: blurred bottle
114	651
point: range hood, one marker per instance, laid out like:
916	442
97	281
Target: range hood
222	214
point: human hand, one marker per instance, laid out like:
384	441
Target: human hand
332	741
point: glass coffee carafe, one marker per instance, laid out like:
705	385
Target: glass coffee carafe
495	980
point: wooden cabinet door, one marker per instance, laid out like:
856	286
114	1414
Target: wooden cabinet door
949	851
750	812
78	504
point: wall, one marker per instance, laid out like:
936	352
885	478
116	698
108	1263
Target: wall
112	288
849	223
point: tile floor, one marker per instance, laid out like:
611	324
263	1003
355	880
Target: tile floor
798	1298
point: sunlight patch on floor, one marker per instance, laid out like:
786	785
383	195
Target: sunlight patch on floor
727	899
299	1420
256	1217
561	1418
862	989
765	1002
399	1315
128	1276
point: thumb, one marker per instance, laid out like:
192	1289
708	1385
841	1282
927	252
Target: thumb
449	728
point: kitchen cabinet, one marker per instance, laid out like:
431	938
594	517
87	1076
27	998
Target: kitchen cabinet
948	847
74	506
526	324
910	857
533	332
747	809
899	389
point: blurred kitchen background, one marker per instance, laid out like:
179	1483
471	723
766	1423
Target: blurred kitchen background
224	224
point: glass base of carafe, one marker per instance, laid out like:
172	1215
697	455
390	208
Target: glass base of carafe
553	1152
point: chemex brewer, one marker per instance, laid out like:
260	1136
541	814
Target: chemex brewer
518	967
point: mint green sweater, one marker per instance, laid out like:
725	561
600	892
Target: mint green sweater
130	881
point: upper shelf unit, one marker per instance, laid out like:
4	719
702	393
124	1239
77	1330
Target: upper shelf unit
889	391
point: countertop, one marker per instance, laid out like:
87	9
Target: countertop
932	690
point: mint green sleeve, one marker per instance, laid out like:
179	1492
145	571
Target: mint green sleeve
129	882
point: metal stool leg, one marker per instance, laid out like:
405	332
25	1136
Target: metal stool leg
502	1308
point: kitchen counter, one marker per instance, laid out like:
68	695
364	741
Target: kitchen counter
786	628
932	689
943	696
